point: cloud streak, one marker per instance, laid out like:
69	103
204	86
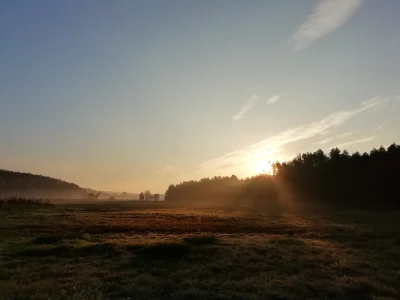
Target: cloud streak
327	16
325	141
246	107
231	162
273	99
345	134
358	141
330	139
170	170
380	127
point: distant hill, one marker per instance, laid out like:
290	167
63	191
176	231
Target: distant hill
37	186
31	185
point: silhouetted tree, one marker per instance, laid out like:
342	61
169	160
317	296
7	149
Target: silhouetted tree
341	177
93	196
336	177
141	196
147	195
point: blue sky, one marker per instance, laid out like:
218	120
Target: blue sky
129	95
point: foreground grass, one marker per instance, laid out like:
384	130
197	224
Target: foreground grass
125	252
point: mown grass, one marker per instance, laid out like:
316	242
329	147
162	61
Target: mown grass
75	252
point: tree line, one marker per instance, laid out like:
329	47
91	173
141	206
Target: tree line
342	177
10	180
336	177
227	190
148	196
27	184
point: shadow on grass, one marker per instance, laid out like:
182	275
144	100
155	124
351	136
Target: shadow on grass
165	251
273	268
50	245
102	249
201	240
193	246
56	238
42	251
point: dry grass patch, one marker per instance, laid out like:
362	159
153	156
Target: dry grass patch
116	253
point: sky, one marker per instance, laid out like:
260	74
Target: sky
133	95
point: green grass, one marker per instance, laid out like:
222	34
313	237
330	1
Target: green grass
154	252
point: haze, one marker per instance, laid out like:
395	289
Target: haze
135	95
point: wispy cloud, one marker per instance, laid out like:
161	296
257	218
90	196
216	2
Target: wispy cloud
345	134
327	16
273	99
323	132
397	97
325	141
246	107
170	170
269	147
358	141
330	139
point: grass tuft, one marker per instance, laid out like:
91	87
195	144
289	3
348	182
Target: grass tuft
165	251
46	239
56	238
199	240
101	249
42	251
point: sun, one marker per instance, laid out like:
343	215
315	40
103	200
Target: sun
262	167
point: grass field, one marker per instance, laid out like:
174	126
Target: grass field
138	251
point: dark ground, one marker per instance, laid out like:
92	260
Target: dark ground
150	251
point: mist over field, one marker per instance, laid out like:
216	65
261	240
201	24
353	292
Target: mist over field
199	150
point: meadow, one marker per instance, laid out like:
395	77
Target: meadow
128	250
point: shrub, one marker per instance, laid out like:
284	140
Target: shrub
24	201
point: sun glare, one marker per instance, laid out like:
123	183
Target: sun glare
262	167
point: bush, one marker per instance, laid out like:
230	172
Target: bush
24	201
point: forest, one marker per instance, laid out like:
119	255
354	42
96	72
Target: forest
27	184
337	177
